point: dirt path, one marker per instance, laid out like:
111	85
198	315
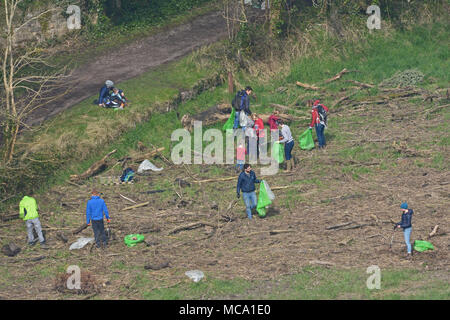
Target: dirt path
135	59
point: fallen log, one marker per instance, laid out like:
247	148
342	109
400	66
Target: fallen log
9	217
80	228
307	86
192	226
148	155
435	229
94	169
136	206
274	232
339	226
338	76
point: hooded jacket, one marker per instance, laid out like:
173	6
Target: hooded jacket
95	209
28	208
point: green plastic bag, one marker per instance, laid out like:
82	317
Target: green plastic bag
264	199
230	122
278	152
306	140
132	239
421	245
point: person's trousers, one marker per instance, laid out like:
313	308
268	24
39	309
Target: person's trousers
36	224
250	202
288	150
407	235
320	131
240	164
99	233
236	120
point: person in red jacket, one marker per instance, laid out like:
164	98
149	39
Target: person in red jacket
273	120
259	129
317	122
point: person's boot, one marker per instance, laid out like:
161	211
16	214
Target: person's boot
288	165
292	164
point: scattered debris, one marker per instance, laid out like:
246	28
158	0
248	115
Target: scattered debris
404	79
88	284
192	226
157	265
10	249
337	77
80	243
195	275
182	183
61	236
147	165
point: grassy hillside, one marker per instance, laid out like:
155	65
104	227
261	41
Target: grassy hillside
383	148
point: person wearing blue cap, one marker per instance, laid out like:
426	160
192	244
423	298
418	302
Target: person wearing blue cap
406	224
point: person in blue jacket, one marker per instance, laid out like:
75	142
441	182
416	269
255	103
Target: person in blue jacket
104	98
95	209
246	183
406	224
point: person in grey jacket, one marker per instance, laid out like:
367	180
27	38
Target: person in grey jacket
246	183
288	140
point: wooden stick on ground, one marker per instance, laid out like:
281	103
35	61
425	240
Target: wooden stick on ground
339	225
307	86
80	228
136	206
361	84
435	229
338	76
127	198
192	226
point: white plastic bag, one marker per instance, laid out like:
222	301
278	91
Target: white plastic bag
80	243
270	194
147	165
195	275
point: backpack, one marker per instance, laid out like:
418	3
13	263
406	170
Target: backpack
236	103
127	175
323	116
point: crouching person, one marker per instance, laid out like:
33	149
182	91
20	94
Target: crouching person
29	213
246	183
95	209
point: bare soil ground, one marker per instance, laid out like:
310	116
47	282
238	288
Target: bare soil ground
322	192
129	61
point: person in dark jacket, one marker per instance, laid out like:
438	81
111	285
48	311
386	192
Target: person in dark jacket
95	210
406	224
104	98
244	105
246	183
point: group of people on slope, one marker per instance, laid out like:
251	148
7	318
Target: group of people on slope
253	128
111	97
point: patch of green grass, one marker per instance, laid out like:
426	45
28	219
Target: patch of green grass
310	284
